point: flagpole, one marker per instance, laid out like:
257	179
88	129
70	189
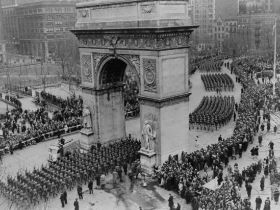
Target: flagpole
274	63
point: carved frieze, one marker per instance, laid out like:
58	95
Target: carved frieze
83	13
149	74
86	67
147	8
136	41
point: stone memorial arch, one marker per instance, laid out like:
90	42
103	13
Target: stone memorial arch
151	38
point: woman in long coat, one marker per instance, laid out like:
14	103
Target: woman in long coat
276	195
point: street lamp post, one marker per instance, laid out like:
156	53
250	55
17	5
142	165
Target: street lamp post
7	91
274	63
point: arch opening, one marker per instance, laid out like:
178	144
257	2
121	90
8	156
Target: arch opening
113	72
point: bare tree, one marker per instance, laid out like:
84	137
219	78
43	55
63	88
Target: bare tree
67	52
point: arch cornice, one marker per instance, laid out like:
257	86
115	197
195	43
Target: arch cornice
140	39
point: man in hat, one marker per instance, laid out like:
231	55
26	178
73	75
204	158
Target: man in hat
170	202
275	129
267	204
80	191
65	196
90	187
276	195
62	199
76	204
258	203
248	189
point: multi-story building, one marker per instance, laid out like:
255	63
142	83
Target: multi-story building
220	32
257	6
2	41
258	26
226	8
276	6
43	24
31	27
205	13
10	24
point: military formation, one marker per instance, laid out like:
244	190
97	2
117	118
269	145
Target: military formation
212	112
188	175
70	169
211	66
217	82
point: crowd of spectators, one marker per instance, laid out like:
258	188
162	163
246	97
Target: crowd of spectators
183	175
22	127
13	100
72	102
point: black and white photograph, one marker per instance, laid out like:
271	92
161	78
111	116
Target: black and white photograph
139	104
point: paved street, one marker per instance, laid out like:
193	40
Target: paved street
27	104
119	197
157	54
151	197
208	137
3	107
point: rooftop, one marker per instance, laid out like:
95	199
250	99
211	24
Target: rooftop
88	3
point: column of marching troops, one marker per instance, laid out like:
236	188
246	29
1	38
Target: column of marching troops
217	82
71	169
211	66
212	112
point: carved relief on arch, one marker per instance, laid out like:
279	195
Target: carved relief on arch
148	8
96	61
149	74
135	61
86	67
83	13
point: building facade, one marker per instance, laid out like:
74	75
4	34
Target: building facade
257	6
259	27
43	24
226	8
10	25
2	41
32	27
203	12
206	14
276	6
220	32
